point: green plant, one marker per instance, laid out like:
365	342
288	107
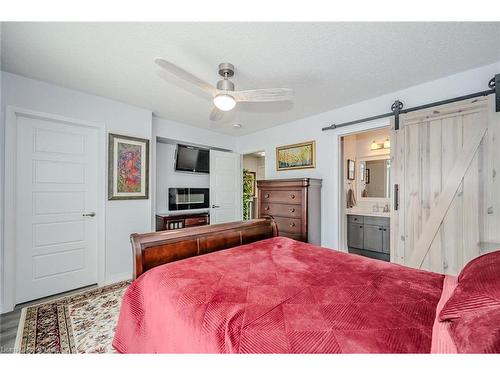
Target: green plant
248	181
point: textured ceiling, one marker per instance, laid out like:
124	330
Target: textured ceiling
329	65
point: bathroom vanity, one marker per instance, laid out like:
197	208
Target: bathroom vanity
368	235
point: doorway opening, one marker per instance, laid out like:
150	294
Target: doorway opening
365	192
254	168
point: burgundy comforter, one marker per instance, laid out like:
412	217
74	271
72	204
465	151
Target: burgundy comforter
279	296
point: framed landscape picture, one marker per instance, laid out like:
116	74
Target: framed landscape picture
128	167
296	156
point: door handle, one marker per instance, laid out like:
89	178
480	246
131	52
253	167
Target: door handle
396	197
215	206
90	214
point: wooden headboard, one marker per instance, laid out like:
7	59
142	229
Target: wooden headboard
156	248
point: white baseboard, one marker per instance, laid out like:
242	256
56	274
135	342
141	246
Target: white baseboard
4	309
117	278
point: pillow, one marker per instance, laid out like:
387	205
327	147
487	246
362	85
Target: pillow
473	310
477	332
478	288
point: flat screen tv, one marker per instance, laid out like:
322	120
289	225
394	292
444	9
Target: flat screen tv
192	159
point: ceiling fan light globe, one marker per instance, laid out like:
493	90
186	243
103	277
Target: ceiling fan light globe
224	102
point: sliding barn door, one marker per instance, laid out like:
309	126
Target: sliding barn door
445	162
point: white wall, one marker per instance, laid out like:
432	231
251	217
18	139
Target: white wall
189	134
2	156
327	145
168	177
123	217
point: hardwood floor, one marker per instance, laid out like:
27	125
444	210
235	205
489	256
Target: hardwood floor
8	330
9	322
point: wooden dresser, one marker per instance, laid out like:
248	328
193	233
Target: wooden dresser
295	205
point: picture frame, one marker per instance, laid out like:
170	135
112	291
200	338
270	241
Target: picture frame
254	183
128	167
351	169
296	156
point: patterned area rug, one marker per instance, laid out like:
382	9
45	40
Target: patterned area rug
79	323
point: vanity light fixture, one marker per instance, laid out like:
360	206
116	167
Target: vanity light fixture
387	143
375	146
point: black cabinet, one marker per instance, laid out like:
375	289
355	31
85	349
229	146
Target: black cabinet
369	236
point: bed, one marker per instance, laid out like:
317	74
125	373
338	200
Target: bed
241	288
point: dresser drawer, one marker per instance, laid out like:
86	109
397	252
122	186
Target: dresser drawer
288	224
281	196
195	221
375	220
355	219
280	209
293	236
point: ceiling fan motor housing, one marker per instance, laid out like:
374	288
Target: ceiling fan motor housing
225	85
226	70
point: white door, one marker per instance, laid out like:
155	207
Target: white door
225	187
444	162
56	199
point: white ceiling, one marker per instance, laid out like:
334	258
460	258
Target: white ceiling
329	65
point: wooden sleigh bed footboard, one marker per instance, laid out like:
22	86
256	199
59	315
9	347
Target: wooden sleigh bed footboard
156	248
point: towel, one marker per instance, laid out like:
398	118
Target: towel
351	199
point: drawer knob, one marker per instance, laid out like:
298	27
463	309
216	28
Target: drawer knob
266	208
292	225
266	196
292	210
292	196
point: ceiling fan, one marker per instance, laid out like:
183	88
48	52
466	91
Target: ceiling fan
224	96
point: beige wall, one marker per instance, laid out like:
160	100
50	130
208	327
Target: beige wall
357	146
255	164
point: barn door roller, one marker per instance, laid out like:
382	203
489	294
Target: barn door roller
397	107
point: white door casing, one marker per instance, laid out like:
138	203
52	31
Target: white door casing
57	179
444	161
225	187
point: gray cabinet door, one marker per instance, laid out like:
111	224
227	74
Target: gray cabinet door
355	235
373	238
385	240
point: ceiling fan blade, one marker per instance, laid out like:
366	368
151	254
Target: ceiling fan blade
185	75
263	95
216	114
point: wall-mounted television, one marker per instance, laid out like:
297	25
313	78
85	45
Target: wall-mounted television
192	159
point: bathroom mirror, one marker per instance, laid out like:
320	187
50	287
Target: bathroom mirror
374	178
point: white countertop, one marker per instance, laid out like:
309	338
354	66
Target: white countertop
368	213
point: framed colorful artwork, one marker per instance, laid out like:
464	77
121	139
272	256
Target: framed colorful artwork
128	167
296	156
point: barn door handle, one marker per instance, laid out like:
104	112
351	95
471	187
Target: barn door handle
396	197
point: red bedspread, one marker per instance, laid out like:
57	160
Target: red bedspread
279	296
